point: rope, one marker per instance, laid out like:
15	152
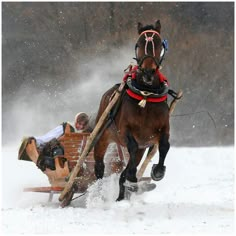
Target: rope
79	196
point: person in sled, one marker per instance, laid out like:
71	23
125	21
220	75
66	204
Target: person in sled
48	144
81	124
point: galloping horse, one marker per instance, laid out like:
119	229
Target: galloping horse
133	126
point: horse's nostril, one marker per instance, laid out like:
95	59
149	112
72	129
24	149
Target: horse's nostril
147	79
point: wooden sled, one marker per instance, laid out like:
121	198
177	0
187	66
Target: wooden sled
73	144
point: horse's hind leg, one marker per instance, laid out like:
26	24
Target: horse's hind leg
158	170
99	152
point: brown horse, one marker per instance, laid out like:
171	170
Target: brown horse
133	126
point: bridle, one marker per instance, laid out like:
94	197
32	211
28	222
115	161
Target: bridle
150	39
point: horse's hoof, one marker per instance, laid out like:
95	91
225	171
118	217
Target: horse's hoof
120	198
125	196
158	172
131	186
127	190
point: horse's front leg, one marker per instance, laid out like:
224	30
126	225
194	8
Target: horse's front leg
130	171
158	170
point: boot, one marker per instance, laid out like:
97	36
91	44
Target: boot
44	162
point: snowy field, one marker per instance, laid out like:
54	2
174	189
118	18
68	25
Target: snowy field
196	197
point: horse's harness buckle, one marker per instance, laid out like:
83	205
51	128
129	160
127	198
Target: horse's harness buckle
146	93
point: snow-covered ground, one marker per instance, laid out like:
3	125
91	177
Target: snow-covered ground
195	197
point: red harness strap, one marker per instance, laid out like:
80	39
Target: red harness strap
162	77
148	99
131	73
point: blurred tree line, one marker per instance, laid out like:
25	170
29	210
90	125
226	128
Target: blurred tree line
42	40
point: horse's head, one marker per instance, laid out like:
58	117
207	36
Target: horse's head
148	52
149	45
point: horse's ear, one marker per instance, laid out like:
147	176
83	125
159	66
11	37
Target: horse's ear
158	26
140	26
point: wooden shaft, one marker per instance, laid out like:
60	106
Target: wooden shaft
92	136
146	162
174	102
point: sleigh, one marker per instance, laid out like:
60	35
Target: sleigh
73	145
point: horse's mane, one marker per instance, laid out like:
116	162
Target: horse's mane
147	27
